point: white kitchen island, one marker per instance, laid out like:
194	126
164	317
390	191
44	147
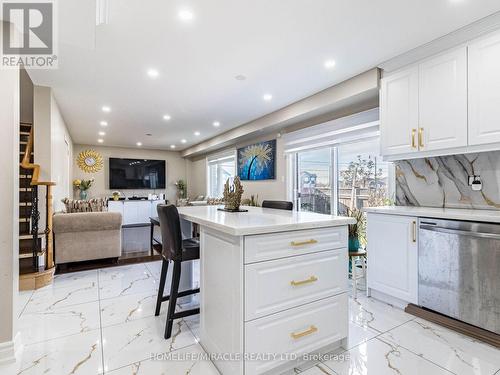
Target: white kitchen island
273	286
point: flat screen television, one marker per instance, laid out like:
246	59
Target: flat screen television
136	174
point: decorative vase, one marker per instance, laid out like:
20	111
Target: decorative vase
353	243
83	195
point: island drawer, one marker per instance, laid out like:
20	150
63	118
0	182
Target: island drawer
303	329
270	246
281	284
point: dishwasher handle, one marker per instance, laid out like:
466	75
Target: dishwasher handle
459	232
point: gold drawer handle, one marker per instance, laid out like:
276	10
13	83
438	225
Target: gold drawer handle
421	137
300	243
312	279
298	335
413	143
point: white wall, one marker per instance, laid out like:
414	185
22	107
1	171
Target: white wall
176	169
9	210
265	189
53	148
62	156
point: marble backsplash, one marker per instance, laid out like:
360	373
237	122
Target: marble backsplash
443	181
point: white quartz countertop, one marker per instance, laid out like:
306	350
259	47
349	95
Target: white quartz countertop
259	220
439	213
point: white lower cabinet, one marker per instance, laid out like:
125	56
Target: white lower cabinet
297	331
134	212
281	284
393	256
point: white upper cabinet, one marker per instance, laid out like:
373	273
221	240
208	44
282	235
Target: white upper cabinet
484	90
399	112
424	107
443	101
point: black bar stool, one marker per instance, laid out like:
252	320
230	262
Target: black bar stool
280	205
174	249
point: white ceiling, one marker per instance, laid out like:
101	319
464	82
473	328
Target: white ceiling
279	45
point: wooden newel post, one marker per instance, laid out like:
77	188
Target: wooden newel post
49	235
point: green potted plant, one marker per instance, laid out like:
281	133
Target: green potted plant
83	186
356	231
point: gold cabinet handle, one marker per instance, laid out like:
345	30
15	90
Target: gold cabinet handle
420	137
310	280
300	243
413	134
414	231
298	335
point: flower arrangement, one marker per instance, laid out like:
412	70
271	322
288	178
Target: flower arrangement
357	232
181	189
83	186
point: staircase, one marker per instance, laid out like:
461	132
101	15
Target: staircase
33	242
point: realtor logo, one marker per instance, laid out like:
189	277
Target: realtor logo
28	34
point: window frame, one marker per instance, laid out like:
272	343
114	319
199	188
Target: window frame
218	159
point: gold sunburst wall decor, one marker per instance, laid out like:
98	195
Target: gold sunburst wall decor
90	161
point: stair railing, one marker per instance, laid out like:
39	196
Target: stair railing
35	214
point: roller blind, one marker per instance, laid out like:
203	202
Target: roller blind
348	129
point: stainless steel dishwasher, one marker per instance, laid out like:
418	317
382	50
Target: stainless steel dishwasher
459	270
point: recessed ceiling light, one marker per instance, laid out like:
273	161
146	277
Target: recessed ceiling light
183	141
172	146
153	73
103	123
149	134
197	133
139	143
216	124
240	77
267	97
100	140
102	133
167	117
105	108
185	15
330	64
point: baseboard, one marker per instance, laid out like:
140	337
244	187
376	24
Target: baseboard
375	294
9	349
454	324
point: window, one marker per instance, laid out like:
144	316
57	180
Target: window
314	180
347	176
219	169
364	179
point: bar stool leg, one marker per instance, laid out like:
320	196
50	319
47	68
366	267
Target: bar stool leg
174	291
354	278
161	289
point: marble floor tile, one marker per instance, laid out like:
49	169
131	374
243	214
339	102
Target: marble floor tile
74	279
154	268
358	335
77	354
186	362
22	300
377	357
48	299
449	349
122	272
129	307
319	369
379	316
45	325
193	322
131	283
125	344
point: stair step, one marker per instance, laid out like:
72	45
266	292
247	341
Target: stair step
27	253
25	176
25	189
24	219
24	204
24	133
29	236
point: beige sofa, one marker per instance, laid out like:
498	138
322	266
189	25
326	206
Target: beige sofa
87	236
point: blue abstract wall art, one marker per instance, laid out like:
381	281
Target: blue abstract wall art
257	161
